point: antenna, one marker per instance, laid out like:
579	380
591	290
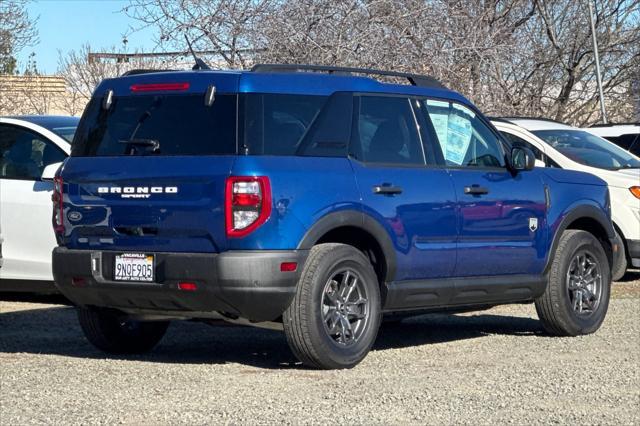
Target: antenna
200	64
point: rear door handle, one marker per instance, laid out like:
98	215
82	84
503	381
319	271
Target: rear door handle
476	190
387	189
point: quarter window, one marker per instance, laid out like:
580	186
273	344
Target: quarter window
385	131
275	124
465	140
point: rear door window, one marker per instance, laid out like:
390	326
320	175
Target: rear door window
385	131
158	125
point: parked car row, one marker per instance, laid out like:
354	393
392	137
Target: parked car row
315	203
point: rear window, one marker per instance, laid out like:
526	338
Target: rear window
158	125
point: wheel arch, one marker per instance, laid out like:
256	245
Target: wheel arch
585	218
357	229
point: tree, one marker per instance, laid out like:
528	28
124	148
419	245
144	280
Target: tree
552	72
225	27
17	30
524	57
82	75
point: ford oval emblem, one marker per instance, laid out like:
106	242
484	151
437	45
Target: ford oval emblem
74	216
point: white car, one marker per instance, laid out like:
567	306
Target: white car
626	136
559	145
31	150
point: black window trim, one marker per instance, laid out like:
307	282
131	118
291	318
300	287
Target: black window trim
44	139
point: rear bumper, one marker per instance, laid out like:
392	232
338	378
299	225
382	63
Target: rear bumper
633	247
248	284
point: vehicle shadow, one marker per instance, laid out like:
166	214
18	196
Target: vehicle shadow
55	331
630	276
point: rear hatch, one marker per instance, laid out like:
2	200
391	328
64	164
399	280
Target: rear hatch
148	165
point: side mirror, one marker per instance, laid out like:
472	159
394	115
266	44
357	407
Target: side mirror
49	172
522	159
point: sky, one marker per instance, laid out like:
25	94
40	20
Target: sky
65	25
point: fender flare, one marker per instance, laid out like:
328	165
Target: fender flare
355	219
579	212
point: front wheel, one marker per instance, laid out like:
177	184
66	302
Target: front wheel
576	299
334	317
113	332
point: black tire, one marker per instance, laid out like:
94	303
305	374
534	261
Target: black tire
558	307
112	332
305	321
619	268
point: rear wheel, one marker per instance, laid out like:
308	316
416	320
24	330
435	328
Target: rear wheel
334	317
577	295
113	332
619	268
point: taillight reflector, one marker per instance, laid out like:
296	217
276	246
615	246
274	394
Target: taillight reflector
159	87
185	286
247	204
288	266
78	282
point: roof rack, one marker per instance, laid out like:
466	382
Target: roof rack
616	124
414	79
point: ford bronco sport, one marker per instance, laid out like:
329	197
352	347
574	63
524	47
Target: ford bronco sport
319	199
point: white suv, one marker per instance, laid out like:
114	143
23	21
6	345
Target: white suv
31	150
558	145
626	136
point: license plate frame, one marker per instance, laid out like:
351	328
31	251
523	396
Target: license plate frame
134	267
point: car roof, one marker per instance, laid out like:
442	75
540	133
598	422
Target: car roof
48	121
533	124
275	82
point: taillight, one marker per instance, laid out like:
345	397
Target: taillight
247	204
57	199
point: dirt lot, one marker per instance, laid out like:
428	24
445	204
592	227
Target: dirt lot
489	367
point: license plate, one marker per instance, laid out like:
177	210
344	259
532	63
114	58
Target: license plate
133	267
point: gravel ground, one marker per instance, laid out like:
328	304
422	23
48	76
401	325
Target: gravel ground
489	367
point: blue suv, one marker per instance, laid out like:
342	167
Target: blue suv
316	199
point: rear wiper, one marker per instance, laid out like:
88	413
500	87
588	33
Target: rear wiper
153	144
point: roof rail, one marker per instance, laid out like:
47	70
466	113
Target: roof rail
414	79
142	71
509	118
616	124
